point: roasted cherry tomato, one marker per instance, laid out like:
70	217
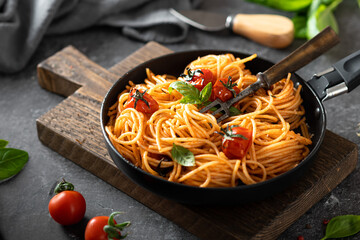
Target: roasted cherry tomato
236	141
67	207
141	101
104	228
199	78
224	89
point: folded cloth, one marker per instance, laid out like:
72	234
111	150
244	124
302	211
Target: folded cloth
23	23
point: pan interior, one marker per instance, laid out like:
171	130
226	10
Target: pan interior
174	64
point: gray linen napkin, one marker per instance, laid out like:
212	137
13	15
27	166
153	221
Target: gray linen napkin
23	23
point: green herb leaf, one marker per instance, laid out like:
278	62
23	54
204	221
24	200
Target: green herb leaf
11	162
206	92
300	26
184	88
321	16
342	226
190	100
234	111
3	143
285	5
182	156
191	95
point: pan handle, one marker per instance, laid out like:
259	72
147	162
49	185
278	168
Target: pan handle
342	77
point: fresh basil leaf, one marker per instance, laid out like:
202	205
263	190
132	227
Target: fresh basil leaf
358	3
300	26
191	95
285	5
234	111
182	156
11	162
3	143
184	88
206	92
190	100
342	226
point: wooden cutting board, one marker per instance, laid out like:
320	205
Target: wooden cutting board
72	129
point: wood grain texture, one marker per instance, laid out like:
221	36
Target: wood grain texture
73	130
269	30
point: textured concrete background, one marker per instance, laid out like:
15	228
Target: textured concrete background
24	199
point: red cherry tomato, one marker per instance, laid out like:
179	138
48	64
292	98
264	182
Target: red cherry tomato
104	228
67	207
236	141
95	228
141	101
199	78
224	89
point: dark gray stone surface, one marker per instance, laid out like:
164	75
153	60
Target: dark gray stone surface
24	198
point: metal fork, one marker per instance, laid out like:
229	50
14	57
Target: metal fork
303	55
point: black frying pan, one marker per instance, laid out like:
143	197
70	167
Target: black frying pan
313	92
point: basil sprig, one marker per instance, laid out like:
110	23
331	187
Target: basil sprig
342	226
182	156
11	160
191	95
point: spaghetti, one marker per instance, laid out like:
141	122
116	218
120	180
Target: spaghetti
271	115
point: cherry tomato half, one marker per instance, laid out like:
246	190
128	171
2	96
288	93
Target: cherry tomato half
236	141
141	101
199	78
224	89
67	207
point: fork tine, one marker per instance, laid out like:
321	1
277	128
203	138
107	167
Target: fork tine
218	110
223	117
208	107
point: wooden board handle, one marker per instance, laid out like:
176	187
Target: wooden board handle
68	70
270	30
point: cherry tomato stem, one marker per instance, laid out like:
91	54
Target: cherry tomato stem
224	89
105	227
63	186
141	101
199	78
236	141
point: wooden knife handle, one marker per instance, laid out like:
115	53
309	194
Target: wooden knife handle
270	30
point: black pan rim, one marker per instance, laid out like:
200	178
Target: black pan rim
103	112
